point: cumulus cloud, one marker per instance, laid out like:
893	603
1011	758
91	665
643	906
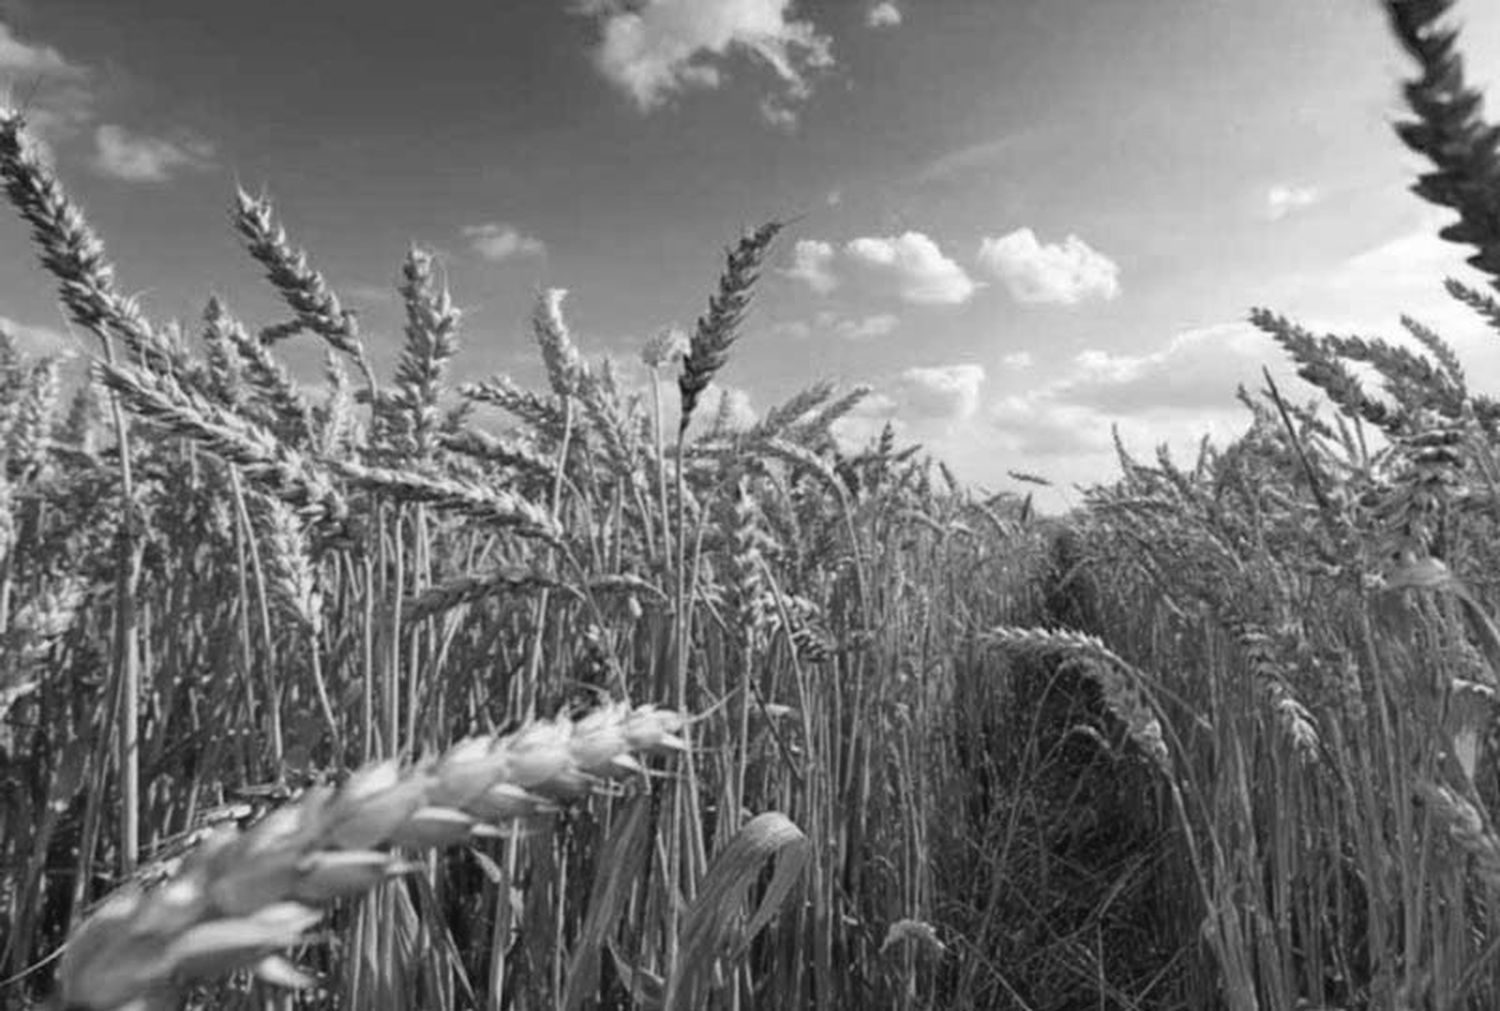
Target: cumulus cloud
498	241
653	49
1018	360
1059	274
1284	200
1057	422
137	158
940	392
922	274
812	264
883	15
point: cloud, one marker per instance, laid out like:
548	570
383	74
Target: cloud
923	275
497	241
1174	393
37	340
24	59
1367	294
1283	200
861	426
939	392
62	101
982	424
868	328
1196	370
1063	274
1413	264
985	154
654	49
729	402
848	328
883	15
136	158
1057	422
812	263
778	113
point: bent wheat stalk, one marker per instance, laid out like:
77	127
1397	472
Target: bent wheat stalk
241	895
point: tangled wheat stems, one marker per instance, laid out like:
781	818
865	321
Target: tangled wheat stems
240	896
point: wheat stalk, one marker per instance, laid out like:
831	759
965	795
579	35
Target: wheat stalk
242	894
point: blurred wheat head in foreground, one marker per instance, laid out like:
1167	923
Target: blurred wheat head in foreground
238	896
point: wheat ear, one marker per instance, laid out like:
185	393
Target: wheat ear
716	330
70	250
241	895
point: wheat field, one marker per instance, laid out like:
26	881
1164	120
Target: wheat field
400	693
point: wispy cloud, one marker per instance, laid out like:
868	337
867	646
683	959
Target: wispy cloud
922	274
839	327
1282	200
883	15
812	264
137	158
778	112
1368	293
1196	369
63	100
984	154
36	340
866	327
1061	274
654	50
372	294
26	58
497	241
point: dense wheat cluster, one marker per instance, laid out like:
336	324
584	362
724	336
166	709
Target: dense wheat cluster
396	695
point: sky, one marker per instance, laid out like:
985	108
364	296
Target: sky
1020	223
